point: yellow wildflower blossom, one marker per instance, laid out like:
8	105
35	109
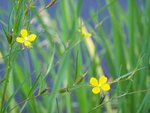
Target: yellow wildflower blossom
25	38
84	33
99	85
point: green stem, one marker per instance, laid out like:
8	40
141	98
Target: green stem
6	77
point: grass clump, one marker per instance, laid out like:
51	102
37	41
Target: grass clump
49	64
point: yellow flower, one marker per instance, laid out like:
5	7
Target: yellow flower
25	38
84	33
99	85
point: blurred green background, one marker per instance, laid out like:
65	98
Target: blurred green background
53	76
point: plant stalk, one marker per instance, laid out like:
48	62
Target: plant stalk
6	77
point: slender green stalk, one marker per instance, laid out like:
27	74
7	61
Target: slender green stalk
7	76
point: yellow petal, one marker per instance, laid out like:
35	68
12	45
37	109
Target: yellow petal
19	40
87	34
105	87
96	90
24	33
32	37
103	79
28	44
94	81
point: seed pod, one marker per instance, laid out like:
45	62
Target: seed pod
63	90
80	79
9	35
44	91
102	99
27	10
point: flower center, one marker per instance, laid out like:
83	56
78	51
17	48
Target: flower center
99	85
26	38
